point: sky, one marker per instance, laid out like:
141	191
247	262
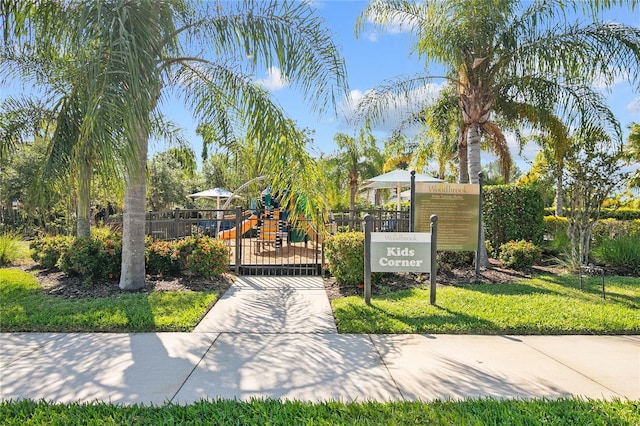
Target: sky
370	60
374	57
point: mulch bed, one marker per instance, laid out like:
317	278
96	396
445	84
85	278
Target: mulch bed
56	283
59	284
495	274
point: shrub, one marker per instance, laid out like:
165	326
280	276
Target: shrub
47	250
161	257
345	257
621	253
99	256
613	228
202	256
9	248
448	260
519	254
513	213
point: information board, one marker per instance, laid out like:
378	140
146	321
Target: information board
457	207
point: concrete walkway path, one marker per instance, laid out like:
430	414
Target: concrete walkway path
276	338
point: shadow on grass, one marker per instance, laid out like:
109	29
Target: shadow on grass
444	320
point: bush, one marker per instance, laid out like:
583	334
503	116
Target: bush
345	257
448	260
202	256
612	228
621	253
47	250
9	248
161	257
99	256
513	213
622	213
519	254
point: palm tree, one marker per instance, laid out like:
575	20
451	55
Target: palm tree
631	154
358	155
510	61
205	54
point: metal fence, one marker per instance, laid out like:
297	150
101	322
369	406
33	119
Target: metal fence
266	243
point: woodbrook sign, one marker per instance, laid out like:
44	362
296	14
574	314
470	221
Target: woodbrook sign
400	252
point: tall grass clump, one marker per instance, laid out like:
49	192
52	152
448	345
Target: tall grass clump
10	248
621	253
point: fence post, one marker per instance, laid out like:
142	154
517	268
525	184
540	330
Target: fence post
434	258
238	239
368	221
151	226
412	205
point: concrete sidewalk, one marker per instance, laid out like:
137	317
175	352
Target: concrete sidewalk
276	338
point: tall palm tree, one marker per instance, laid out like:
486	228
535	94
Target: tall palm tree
510	61
631	154
205	54
358	155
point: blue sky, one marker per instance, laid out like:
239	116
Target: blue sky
372	58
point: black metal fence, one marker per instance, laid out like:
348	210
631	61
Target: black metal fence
266	243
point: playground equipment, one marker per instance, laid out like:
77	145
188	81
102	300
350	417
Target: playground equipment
245	226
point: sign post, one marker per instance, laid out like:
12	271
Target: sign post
434	264
368	225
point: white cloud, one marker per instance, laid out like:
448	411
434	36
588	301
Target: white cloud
634	106
274	80
396	112
395	25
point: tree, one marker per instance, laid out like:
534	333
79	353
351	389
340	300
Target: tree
593	170
356	154
170	174
509	61
206	55
631	154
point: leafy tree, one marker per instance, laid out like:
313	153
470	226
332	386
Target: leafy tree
207	54
170	176
631	155
593	170
510	62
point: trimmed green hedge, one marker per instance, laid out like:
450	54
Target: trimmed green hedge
622	213
513	213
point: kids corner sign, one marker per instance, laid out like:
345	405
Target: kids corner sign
400	252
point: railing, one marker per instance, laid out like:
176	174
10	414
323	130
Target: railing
178	223
383	220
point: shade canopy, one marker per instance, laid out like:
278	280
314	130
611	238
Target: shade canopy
396	179
214	194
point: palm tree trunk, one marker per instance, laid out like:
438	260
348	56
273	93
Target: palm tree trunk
463	168
132	275
473	153
473	147
83	206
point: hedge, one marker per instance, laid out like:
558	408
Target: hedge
513	213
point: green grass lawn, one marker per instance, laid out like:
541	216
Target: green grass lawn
23	307
260	412
547	304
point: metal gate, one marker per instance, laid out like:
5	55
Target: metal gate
260	243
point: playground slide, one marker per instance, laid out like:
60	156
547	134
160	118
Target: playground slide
245	226
310	231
